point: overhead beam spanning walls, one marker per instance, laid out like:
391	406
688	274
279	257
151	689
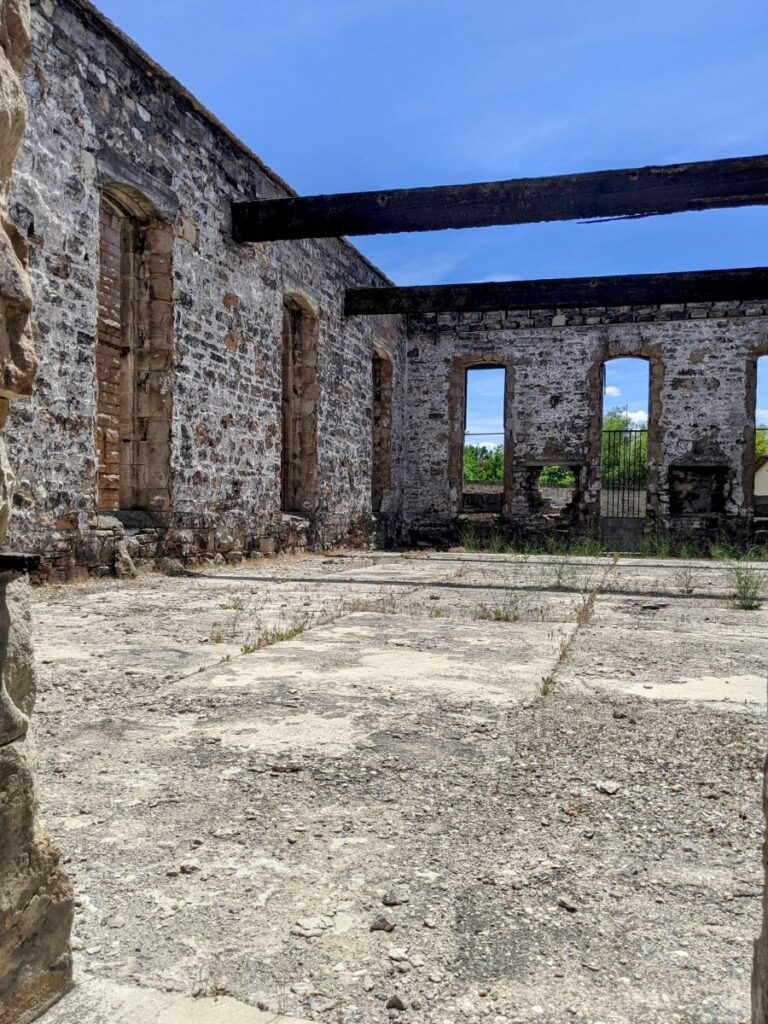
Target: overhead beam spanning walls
630	192
564	293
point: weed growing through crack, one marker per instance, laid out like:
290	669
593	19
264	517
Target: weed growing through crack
436	613
749	588
563	572
547	685
209	985
586	608
684	578
388	604
278	634
509	610
237	605
501	614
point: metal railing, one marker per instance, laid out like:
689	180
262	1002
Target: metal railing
624	473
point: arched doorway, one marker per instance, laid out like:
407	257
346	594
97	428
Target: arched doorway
624	449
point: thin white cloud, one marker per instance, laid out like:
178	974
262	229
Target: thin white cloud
484	426
638	418
761	415
497	276
612	391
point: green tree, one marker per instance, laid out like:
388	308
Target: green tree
556	476
625	451
761	439
483	463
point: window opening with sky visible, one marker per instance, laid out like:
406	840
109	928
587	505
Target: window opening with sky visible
484	431
624	460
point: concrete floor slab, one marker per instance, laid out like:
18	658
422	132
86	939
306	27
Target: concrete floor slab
96	1001
531	768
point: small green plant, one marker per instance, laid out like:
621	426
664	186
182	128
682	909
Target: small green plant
546	685
665	544
587	547
237	605
749	587
436	613
249	648
496	544
508	611
469	539
497	614
721	550
555	544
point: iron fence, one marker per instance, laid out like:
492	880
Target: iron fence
624	472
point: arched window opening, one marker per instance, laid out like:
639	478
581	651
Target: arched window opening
483	453
381	426
624	443
133	356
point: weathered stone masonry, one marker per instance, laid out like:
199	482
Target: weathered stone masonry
701	432
210	399
199	457
36	900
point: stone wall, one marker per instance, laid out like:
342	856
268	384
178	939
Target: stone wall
104	117
36	901
168	414
701	431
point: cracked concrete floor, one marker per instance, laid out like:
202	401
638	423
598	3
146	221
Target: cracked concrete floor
469	787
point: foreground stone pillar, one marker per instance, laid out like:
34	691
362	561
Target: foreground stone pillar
36	902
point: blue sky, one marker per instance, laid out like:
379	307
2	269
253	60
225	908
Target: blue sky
362	94
626	387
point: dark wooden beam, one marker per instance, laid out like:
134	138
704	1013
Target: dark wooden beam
634	192
564	293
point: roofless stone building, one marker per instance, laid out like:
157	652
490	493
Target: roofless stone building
219	375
